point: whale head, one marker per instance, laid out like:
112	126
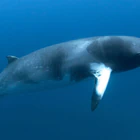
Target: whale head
120	53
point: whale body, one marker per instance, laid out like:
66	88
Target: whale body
71	62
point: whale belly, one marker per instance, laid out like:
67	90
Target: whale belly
44	85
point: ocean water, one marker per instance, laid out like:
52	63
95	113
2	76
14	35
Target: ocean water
64	114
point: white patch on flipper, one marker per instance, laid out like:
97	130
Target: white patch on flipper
102	74
103	81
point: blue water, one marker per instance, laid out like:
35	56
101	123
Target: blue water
64	114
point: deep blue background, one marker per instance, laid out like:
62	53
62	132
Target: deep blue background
64	114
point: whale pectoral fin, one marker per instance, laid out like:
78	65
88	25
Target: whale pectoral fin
101	80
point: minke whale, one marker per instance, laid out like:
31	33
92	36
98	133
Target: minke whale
69	63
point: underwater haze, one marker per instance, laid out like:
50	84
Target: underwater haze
64	114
